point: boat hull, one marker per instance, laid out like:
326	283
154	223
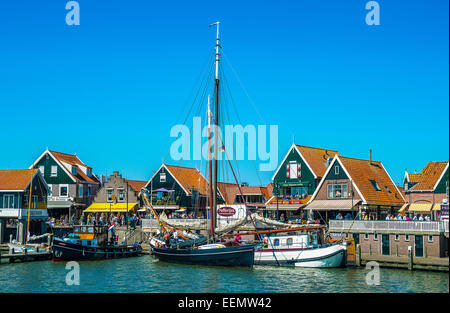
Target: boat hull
329	256
66	251
229	256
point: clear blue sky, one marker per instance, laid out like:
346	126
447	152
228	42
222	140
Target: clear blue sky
111	88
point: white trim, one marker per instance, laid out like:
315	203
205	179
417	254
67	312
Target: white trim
57	162
398	190
330	166
440	178
304	160
285	157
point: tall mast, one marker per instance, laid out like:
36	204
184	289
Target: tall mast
216	132
211	229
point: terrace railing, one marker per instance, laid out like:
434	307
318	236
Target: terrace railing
388	226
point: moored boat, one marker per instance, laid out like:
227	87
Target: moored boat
88	242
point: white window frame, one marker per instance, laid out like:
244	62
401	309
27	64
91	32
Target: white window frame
430	236
407	237
5	201
80	191
375	237
293	169
42	169
54	173
119	190
397	237
50	188
107	194
336	170
161	175
61	186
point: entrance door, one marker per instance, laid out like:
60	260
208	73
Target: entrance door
385	245
418	245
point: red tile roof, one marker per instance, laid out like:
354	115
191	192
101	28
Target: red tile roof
317	158
74	161
136	185
430	175
16	179
189	178
363	171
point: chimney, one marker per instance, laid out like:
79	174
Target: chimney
116	173
370	156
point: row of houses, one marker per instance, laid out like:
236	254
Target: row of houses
316	183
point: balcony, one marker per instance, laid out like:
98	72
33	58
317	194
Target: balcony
393	227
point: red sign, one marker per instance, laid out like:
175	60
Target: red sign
226	211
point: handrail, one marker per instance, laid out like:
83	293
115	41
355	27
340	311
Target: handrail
372	226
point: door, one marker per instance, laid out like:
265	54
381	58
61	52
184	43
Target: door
385	245
418	245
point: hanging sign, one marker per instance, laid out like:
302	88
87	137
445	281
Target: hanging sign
226	211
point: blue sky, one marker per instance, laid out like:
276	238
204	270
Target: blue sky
111	89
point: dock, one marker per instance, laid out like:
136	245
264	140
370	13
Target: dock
7	257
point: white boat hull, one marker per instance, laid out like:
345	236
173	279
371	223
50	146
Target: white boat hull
329	256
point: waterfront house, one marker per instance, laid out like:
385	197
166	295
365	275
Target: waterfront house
427	191
15	200
179	189
355	186
117	195
254	196
72	183
297	177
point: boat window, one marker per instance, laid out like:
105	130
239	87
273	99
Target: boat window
276	242
88	242
289	241
77	229
91	229
83	229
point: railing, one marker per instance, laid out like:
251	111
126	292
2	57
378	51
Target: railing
446	226
387	226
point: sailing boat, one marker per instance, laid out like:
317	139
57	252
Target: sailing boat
214	253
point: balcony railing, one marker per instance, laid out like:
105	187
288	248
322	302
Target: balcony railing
388	226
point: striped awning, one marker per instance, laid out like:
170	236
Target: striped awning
110	207
420	207
329	205
436	207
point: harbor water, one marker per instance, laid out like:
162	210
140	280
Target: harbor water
146	274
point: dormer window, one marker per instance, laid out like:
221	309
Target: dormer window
375	185
89	172
74	170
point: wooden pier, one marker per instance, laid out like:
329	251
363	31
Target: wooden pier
7	257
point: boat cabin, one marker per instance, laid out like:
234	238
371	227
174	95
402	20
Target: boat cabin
292	241
89	235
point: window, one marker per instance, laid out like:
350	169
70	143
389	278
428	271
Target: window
89	172
406	237
397	236
54	172
293	170
375	236
121	194
366	236
80	191
34	202
446	188
336	170
289	241
162	177
8	202
276	242
50	189
430	238
405	186
74	170
63	190
88	191
109	193
375	185
41	169
387	188
337	191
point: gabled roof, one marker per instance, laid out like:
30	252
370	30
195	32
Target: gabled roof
73	160
315	158
430	176
16	179
361	172
232	190
414	177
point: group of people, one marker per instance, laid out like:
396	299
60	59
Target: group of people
109	219
409	217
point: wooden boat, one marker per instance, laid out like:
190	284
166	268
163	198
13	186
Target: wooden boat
88	242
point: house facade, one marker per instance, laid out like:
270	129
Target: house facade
355	186
254	196
117	195
297	177
426	192
72	183
16	203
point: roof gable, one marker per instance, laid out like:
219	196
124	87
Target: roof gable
16	179
430	176
316	158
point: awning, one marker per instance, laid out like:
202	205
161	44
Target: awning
436	207
403	208
330	205
420	207
110	207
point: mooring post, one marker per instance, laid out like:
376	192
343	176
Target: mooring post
410	258
358	255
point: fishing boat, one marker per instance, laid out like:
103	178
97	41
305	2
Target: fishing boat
213	253
300	250
89	242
